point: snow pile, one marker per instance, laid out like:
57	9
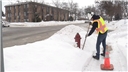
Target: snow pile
47	23
58	53
4	18
118	37
117	24
70	31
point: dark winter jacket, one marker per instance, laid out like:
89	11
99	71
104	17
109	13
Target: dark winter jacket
94	25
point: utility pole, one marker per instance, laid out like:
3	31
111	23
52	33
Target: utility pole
1	47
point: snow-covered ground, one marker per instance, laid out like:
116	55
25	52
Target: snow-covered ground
60	52
43	23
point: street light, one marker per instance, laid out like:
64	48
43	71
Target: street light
1	47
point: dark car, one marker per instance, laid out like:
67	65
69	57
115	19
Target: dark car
87	21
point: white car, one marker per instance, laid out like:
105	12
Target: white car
5	24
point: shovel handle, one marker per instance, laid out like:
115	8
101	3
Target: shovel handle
86	37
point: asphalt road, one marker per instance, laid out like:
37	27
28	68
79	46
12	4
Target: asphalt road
22	35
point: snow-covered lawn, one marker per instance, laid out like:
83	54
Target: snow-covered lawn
60	52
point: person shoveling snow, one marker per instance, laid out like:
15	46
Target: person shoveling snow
98	24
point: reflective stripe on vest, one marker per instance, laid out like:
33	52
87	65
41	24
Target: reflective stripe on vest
101	25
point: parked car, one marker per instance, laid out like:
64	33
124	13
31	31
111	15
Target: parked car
87	21
5	24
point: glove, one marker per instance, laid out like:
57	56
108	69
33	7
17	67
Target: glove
87	35
90	23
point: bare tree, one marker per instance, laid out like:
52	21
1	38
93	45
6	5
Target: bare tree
107	7
18	1
57	3
124	5
90	9
33	0
42	1
73	7
81	13
118	10
112	8
65	6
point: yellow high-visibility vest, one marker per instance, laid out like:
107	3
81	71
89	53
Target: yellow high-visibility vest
101	25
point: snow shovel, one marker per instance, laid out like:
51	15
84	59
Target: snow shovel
86	37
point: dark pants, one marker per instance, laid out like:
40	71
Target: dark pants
101	39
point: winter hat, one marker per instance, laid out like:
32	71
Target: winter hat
95	17
90	14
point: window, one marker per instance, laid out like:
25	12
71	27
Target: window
15	16
27	5
18	10
9	9
8	15
25	20
28	20
35	6
19	19
24	13
15	8
52	11
47	11
9	19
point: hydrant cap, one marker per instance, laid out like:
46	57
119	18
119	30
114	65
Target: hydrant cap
77	36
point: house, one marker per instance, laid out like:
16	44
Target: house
31	11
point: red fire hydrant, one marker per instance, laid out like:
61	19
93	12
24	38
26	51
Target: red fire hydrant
77	39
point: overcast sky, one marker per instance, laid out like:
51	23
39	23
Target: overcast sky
81	3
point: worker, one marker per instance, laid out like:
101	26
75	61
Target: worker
98	24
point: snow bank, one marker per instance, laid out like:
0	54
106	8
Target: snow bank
58	53
118	37
3	18
117	24
47	23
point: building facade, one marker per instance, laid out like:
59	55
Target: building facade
29	11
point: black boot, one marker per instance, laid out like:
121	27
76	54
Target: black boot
103	54
95	57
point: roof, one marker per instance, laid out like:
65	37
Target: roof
17	4
20	3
